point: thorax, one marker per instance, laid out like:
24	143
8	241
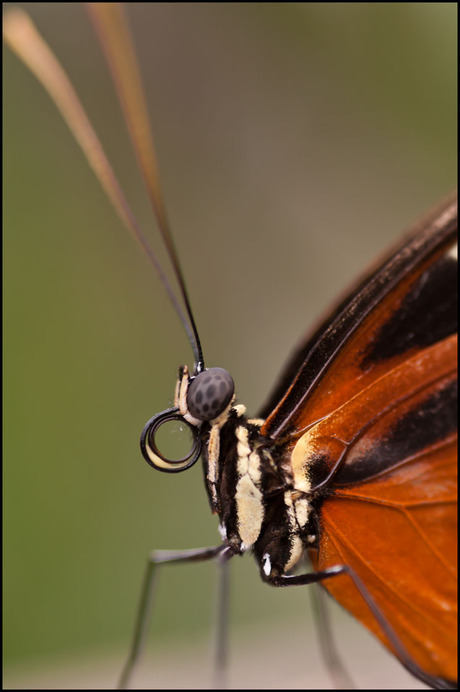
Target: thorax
250	486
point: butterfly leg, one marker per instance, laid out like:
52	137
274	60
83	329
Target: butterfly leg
327	645
221	631
330	572
157	558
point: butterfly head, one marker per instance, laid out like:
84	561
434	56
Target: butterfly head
201	402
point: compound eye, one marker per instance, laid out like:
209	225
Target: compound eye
210	393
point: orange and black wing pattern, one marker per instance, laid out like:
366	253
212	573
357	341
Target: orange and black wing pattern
368	426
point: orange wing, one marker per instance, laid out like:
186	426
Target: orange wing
407	303
364	420
398	528
399	535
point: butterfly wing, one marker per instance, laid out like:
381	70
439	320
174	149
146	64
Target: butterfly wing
380	314
368	425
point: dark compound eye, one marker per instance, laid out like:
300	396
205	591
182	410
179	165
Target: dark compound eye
210	393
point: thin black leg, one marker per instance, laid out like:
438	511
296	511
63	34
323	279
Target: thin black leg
401	653
221	632
327	645
157	558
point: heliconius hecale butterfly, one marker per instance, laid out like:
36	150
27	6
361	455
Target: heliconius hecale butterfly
353	457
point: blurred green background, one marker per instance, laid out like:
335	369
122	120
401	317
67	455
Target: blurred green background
296	141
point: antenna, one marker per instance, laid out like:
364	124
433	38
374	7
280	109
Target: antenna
23	38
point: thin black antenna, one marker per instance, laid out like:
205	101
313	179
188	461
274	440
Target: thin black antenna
112	28
23	38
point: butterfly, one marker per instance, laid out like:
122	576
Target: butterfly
351	419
